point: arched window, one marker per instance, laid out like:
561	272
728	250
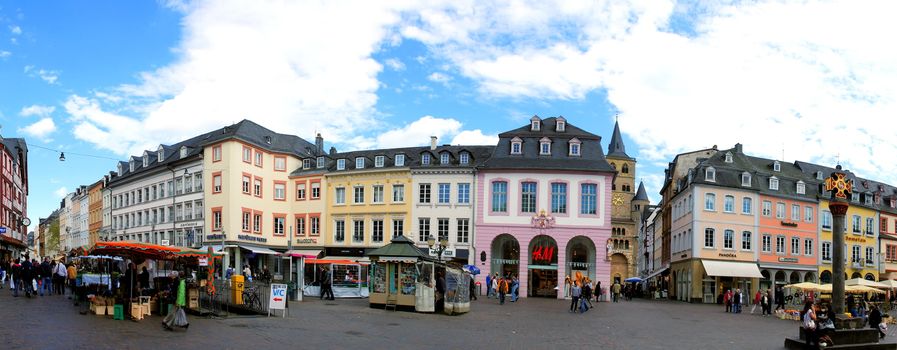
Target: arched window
625	168
728	157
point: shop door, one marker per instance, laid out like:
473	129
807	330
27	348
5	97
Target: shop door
392	290
425	293
709	291
542	283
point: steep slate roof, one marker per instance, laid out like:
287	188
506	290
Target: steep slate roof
640	194
862	186
616	148
412	158
400	246
592	158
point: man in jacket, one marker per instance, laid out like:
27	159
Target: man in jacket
575	292
15	277
488	286
502	290
780	299
27	277
875	321
616	290
46	276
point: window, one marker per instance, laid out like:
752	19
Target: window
463	193
359	162
767	243
709	234
300	191
425	159
767	208
855	254
561	126
378	193
378	161
280	191
856	224
257	187
891	252
746	179
279	226
710	174
463	230
340	164
884	225
300	226
216	154
500	196
774	183
398	193
424	193
377	230
398	227
780	244
855	197
746	240
258	158
801	188
574	149
776	166
320	162
257	222
315	190
528	197
729	204
464	158
339	230
870	226
868	198
535	125
818	175
826	251
780	210
216	183
442	229
423	229
358	196
280	163
728	157
545	148
709	201
746	205
358	231
400	160
589	205
808	214
727	239
826	220
808	247
444	158
795	212
516	147
870	255
795	246
339	195
216	219
559	198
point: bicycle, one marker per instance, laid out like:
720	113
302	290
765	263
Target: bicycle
251	299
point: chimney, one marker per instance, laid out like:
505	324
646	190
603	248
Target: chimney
332	150
319	142
738	148
432	143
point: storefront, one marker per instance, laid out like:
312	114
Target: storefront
543	267
505	255
720	276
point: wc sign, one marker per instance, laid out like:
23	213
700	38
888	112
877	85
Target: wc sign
278	299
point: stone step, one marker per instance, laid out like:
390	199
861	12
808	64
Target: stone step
849	336
797	344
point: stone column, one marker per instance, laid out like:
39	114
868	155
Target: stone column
839	214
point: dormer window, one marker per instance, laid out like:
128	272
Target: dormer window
819	175
574	148
340	164
561	125
774	183
710	174
320	162
145	160
868	198
184	152
160	154
516	146
535	124
306	163
268	139
400	160
728	157
444	158
801	188
359	162
119	170
378	161
545	146
746	179
893	203
776	166
464	158
855	197
132	166
425	159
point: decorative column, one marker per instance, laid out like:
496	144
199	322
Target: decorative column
840	188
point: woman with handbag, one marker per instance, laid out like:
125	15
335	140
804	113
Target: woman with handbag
808	323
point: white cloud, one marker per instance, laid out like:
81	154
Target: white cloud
474	137
439	78
47	75
61	192
37	110
15	30
40	129
394	64
5	54
418	132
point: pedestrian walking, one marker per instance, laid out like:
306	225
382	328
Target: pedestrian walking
27	278
780	298
502	289
178	318
875	322
46	274
60	275
616	290
727	299
72	275
756	302
587	293
4	266
473	288
575	292
488	286
494	285
515	287
737	301
15	281
765	304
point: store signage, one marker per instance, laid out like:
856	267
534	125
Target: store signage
728	255
854	239
203	261
790	260
214	237
541	253
164	242
2	229
307	241
190	224
448	253
253	238
278	299
789	224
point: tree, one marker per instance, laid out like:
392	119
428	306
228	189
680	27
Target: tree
53	237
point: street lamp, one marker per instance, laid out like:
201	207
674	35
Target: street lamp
440	248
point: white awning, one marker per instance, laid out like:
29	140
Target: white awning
398	259
731	269
304	253
259	250
655	273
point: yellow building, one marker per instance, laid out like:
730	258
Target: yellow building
860	242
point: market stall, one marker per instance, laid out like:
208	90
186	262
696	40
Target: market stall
348	278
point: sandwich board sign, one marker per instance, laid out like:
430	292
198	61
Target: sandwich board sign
278	299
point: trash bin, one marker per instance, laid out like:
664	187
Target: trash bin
237	282
118	312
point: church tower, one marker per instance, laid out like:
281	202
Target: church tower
623	241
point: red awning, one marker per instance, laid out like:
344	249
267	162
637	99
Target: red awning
13	241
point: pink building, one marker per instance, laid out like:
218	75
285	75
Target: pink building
543	208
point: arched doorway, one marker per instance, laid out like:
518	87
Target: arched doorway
543	267
765	282
825	277
581	257
810	277
618	268
856	275
795	277
505	255
780	278
870	277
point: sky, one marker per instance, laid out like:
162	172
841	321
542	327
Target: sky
790	80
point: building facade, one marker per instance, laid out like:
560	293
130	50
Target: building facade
13	196
626	209
95	210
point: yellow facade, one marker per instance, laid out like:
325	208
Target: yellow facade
344	212
862	236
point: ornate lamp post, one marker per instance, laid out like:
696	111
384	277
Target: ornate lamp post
440	248
840	188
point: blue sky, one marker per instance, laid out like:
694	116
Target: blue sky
120	77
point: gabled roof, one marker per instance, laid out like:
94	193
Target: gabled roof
400	246
616	148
